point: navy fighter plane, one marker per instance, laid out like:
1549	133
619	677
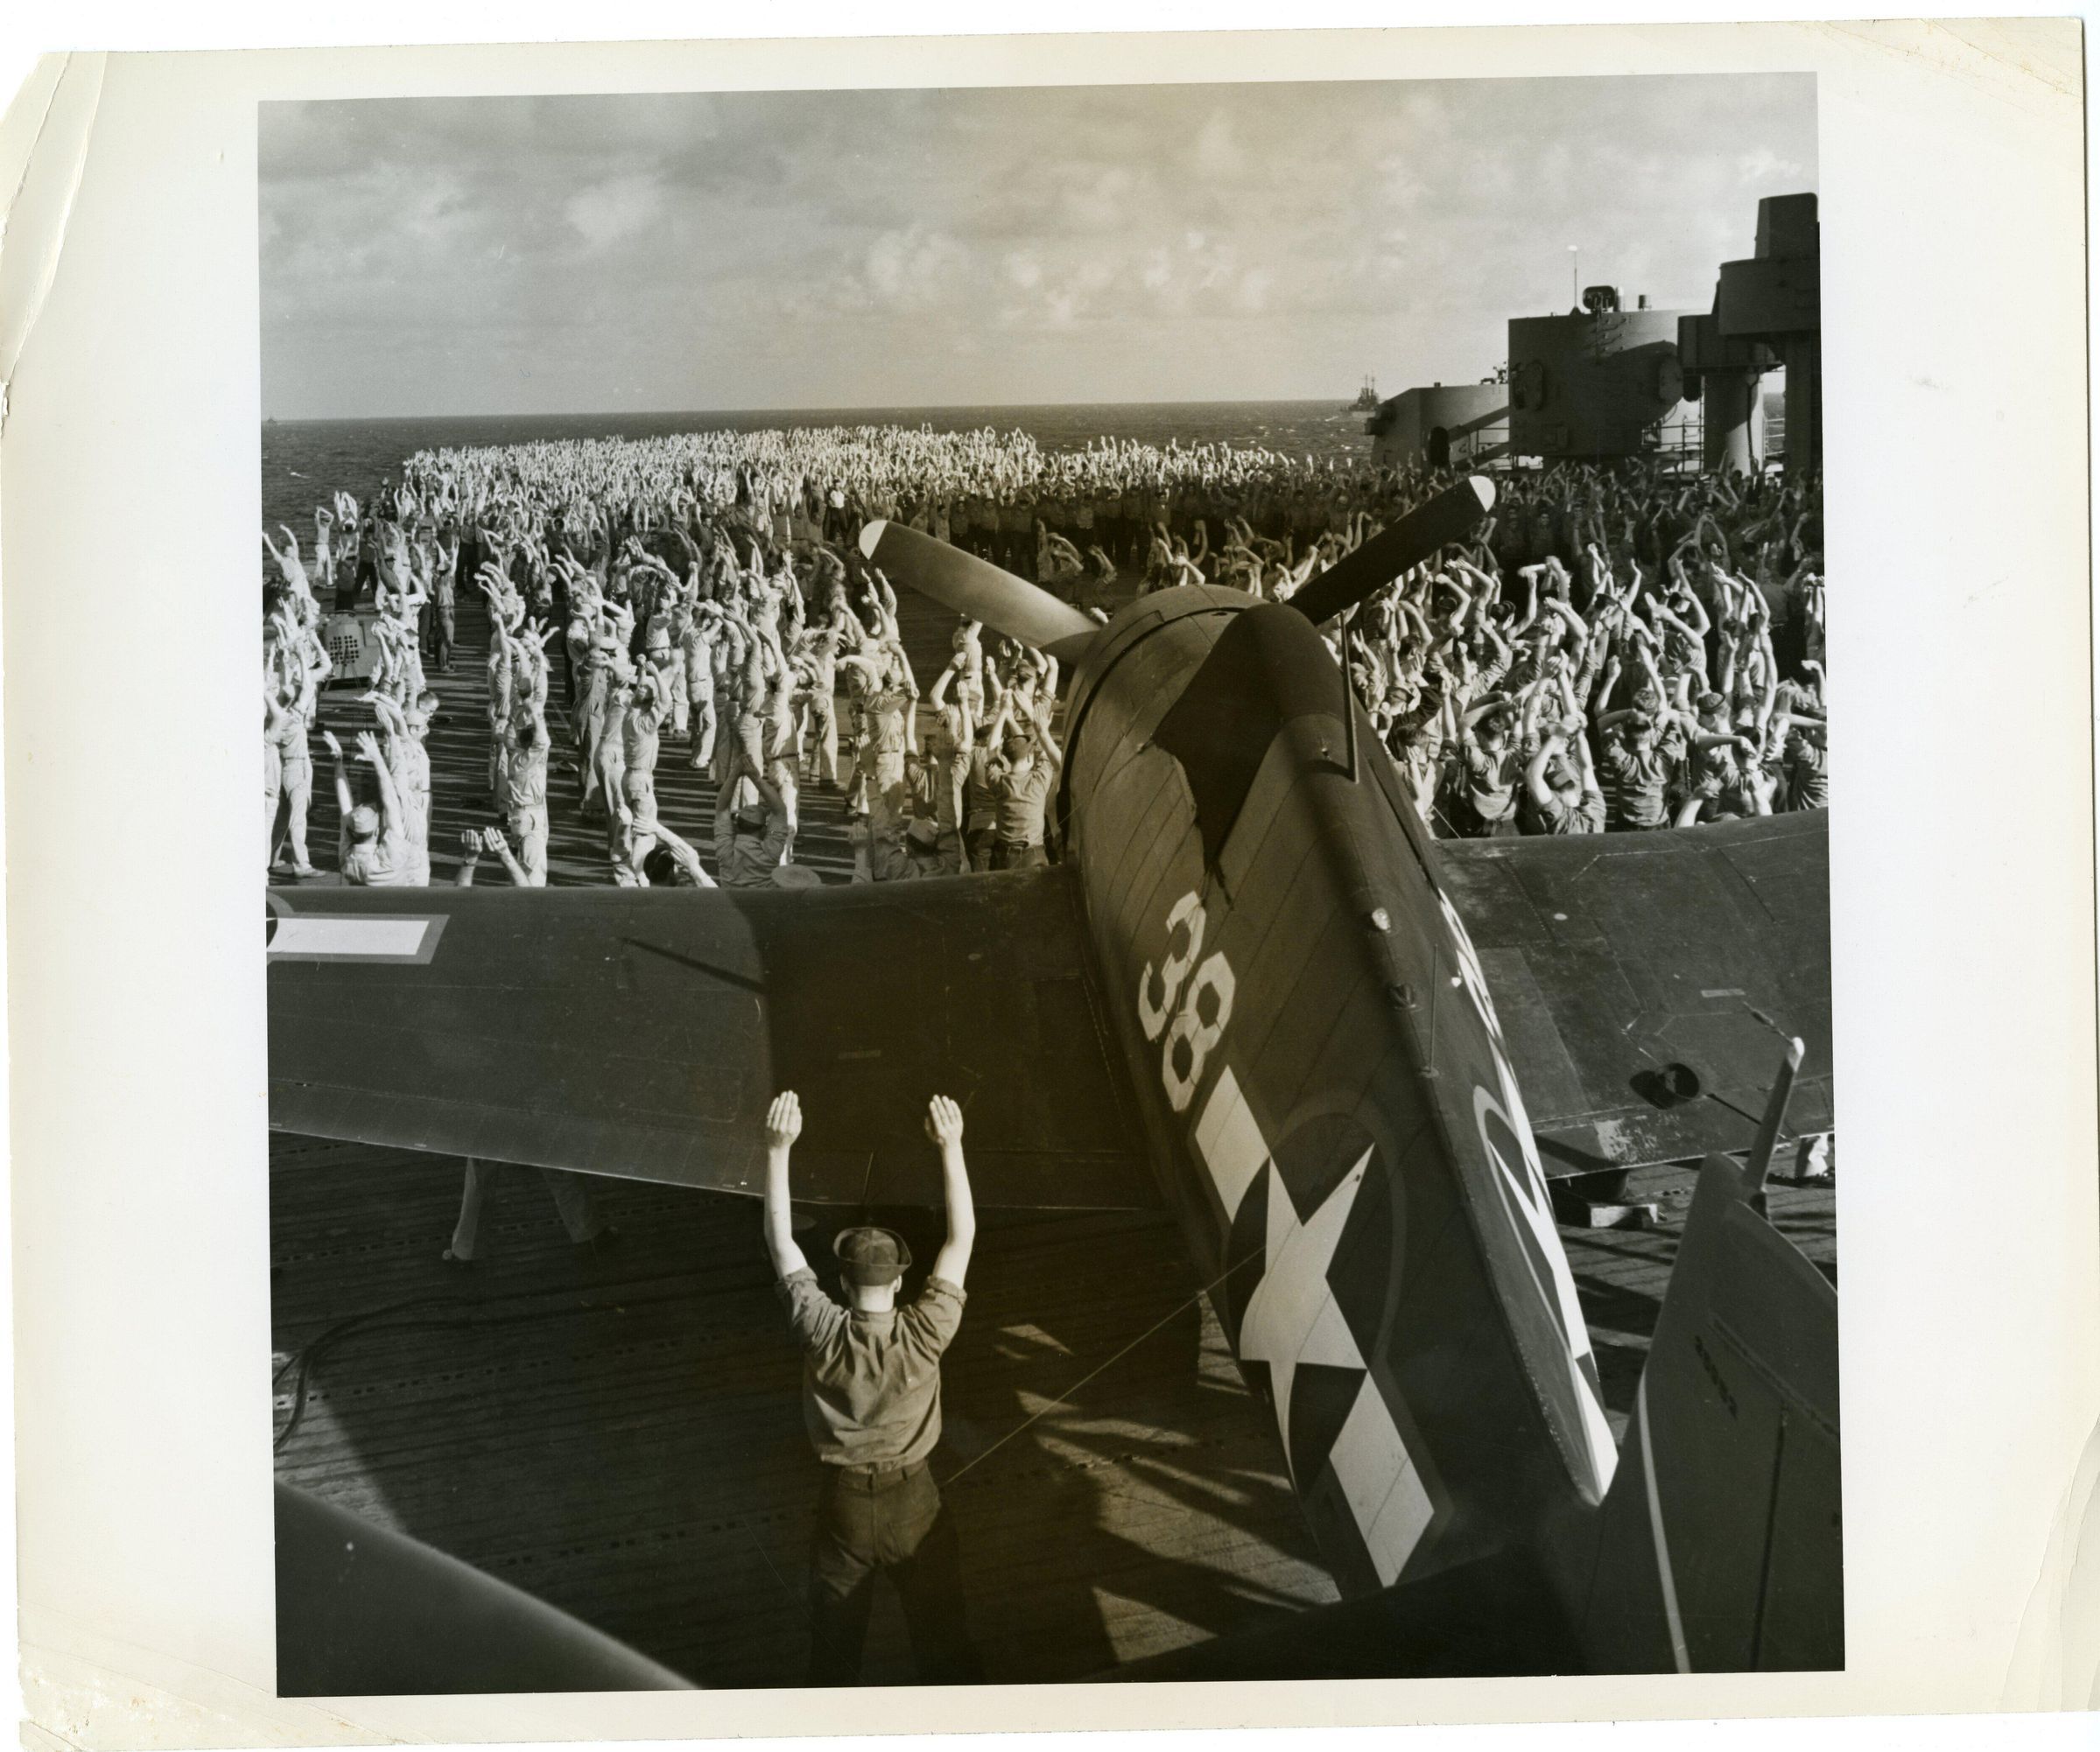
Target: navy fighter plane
1346	1057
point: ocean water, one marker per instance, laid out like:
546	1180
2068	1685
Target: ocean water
304	460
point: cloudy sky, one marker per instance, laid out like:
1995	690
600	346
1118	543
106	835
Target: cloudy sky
829	250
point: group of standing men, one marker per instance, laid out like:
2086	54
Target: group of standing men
765	667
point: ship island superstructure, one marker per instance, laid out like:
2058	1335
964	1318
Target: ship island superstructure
1604	381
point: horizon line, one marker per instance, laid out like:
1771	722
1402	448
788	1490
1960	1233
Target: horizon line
864	408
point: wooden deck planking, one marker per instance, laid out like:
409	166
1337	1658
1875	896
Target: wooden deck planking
621	1432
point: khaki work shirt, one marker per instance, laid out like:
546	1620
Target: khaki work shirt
871	1382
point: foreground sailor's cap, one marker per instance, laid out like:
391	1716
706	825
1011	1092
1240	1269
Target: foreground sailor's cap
870	1257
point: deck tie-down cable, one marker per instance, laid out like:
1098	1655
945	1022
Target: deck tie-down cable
1028	1423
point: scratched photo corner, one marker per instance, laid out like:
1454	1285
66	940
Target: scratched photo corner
1047	884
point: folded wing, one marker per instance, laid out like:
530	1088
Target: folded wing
1721	1547
641	1034
1645	980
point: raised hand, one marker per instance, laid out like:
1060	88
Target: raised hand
944	1123
783	1120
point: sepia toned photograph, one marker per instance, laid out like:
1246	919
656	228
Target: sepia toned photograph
1048	884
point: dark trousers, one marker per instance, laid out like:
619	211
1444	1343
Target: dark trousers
893	1521
1012	854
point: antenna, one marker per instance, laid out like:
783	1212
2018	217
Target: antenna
1758	1164
1575	278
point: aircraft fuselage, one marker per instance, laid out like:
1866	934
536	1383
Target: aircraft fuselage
1325	1090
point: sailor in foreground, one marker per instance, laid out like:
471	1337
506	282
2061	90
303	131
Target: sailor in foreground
871	1399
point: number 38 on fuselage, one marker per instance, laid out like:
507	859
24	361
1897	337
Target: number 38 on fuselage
1328	1092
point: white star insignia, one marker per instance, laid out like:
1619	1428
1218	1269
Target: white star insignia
1292	1317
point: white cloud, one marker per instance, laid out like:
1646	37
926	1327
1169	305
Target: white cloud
1765	165
910	270
1251	293
605	213
1102	202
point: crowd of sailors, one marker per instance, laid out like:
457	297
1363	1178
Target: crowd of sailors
1619	649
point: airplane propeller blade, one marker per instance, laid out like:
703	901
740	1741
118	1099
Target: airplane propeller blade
1450	516
979	589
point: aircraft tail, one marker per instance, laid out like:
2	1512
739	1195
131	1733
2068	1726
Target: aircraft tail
1719	1548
